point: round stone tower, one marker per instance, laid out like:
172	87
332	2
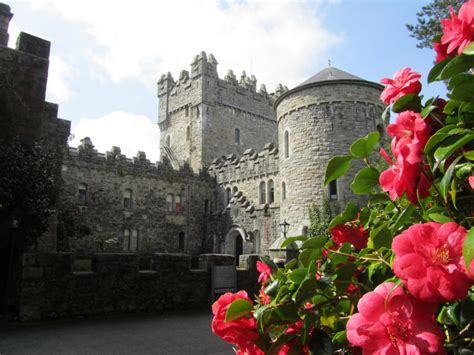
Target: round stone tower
317	120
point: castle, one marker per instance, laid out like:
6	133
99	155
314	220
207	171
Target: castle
236	163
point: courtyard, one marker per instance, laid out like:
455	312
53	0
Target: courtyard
178	333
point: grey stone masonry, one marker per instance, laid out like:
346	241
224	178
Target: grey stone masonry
202	117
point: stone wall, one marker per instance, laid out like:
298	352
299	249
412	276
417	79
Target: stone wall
50	289
211	109
108	176
322	121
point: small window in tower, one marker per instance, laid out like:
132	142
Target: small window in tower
170	202
227	196
237	136
178	204
186	111
127	198
287	144
126	239
134	240
271	191
206	206
181	241
82	193
333	190
283	191
188	133
263	192
234	190
168	140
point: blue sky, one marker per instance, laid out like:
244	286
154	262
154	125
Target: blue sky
107	55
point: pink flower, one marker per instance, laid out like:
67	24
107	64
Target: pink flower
264	298
350	233
294	346
242	331
441	51
264	270
250	350
403	177
428	258
404	82
458	31
410	128
471	181
392	322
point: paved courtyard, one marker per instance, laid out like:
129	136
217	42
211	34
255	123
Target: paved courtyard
184	333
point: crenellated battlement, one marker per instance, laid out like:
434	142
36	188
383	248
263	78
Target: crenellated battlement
249	166
85	155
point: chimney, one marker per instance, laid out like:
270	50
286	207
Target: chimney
5	17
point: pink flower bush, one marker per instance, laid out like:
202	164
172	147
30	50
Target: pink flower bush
404	82
428	258
241	332
350	233
264	270
392	322
471	181
441	51
458	31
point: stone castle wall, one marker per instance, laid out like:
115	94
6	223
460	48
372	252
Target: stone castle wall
107	176
211	109
322	121
50	288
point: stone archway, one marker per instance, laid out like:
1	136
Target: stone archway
235	241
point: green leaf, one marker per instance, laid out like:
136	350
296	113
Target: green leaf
307	256
438	137
340	337
320	343
238	309
290	240
266	260
449	146
357	148
468	248
366	179
386	115
344	275
306	290
337	167
427	110
298	275
271	289
286	313
469	155
438	217
458	79
372	140
348	215
463	91
378	198
446	180
469	50
435	72
314	243
291	264
382	238
407	102
459	64
403	218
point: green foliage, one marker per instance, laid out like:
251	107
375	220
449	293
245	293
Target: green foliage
27	187
319	220
428	24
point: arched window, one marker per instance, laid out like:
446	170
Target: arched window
287	144
271	191
186	111
262	192
237	136
82	193
333	190
127	198
178	204
206	206
188	133
283	191
168	140
234	190
134	241
170	202
181	241
227	196
126	239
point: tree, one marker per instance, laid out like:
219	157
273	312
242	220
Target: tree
429	21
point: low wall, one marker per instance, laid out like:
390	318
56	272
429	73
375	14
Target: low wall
50	288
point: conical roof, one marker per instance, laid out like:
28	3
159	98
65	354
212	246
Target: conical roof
330	73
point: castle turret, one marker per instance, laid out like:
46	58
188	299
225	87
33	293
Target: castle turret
5	17
317	120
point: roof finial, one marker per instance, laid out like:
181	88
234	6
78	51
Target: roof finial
329	63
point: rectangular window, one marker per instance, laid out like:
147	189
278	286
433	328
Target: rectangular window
333	190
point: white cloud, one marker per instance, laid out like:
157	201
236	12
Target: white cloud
132	133
60	75
278	41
